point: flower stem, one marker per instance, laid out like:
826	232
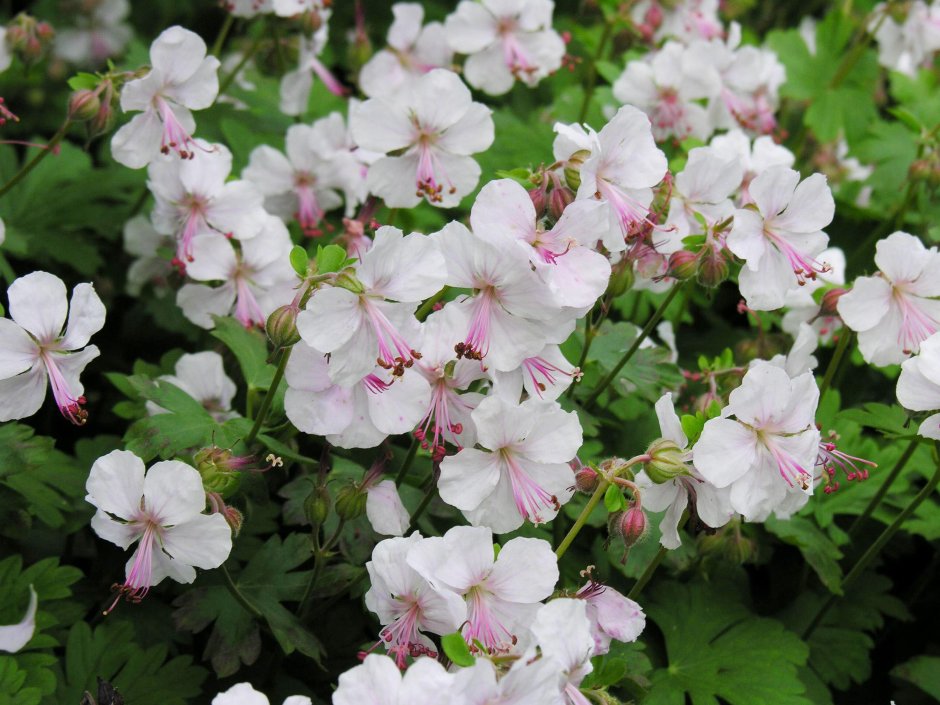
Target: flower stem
879	543
885	486
591	79
248	55
844	341
602	485
34	162
223	33
428	496
269	395
239	596
648	573
406	464
425	310
644	334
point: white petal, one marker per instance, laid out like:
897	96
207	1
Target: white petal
385	511
866	304
203	541
38	303
173	492
86	317
116	484
725	452
526	570
15	636
468	478
18	351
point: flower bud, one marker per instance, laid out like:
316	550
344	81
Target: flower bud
558	200
347	280
317	505
84	105
586	480
350	502
234	519
29	38
683	264
219	470
281	326
633	525
573	168
730	544
667	461
621	279
712	269
537	194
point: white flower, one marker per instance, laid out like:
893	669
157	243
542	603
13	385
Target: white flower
256	278
523	473
296	84
14	637
667	86
754	158
780	239
379	681
624	165
802	307
686	21
577	276
34	349
433	126
6	56
182	78
100	34
526	683
300	185
897	309
704	501
359	416
385	510
405	603
563	632
143	241
248	8
412	51
244	694
767	451
908	45
501	593
612	615
505	41
193	198
370	319
202	376
161	509
919	385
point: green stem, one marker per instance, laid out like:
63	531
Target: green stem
573	532
425	310
6	271
406	464
843	345
648	573
269	395
239	597
885	486
644	334
860	42
428	496
319	560
876	547
252	50
591	80
30	165
223	33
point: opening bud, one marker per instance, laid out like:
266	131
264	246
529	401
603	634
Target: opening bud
667	461
559	199
220	469
281	326
84	105
713	268
683	264
829	304
621	278
351	502
586	480
573	168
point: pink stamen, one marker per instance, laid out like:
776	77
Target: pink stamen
633	217
401	636
531	498
309	213
438	419
69	404
394	352
539	367
805	268
483	625
477	343
247	309
6	113
137	584
329	80
916	324
427	184
175	137
375	384
790	470
515	56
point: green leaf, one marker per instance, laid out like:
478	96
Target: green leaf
892	421
692	426
299	260
142	676
817	548
455	646
331	258
83	81
13	688
922	671
717	649
45	482
250	348
614	500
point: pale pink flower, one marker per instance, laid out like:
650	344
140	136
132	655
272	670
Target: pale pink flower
34	349
918	386
379	681
182	78
612	615
14	637
244	694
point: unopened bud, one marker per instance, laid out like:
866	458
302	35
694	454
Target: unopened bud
730	544
558	200
219	469
317	505
29	38
350	502
633	526
712	269
537	195
347	280
586	480
234	519
667	461
621	279
829	304
84	105
281	326
573	168
683	264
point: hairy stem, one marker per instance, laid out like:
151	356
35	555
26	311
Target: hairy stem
284	355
